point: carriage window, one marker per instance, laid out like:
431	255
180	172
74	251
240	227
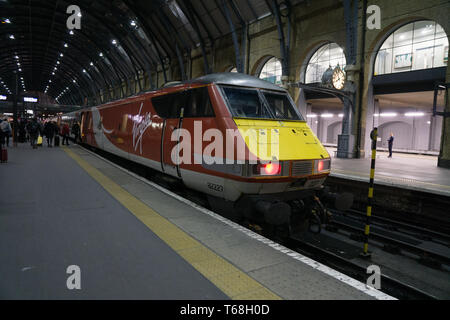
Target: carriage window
281	106
199	105
246	103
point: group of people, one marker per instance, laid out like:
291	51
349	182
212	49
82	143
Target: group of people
30	130
50	129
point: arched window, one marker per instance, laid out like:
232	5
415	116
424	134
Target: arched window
327	55
272	71
417	45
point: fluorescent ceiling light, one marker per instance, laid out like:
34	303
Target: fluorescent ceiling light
414	114
388	114
311	116
327	115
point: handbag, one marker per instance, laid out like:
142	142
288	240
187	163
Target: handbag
39	140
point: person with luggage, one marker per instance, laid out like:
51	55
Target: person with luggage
65	131
6	130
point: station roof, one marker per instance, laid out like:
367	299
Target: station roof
118	39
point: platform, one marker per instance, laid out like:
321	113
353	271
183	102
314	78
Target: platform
135	240
406	171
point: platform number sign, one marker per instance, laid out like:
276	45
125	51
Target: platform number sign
374	280
74	280
74	20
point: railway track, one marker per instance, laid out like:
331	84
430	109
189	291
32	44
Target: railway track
394	240
390	285
404	227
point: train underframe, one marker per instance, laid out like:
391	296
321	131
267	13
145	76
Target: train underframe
283	214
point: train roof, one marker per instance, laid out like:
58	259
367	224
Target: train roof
237	79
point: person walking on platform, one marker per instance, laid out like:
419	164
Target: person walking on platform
33	129
6	130
49	131
65	131
391	144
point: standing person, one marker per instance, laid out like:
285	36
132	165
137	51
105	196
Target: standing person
33	131
5	127
65	131
391	144
76	131
49	131
2	135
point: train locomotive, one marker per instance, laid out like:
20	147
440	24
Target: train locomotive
236	138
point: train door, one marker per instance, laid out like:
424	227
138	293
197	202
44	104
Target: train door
170	139
83	127
89	129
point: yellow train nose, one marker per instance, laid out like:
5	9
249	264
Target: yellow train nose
272	140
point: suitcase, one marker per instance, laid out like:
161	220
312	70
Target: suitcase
56	141
4	155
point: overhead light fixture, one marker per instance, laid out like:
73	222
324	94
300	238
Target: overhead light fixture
57	62
84	70
12	37
388	114
6	20
66	45
71	32
133	23
341	115
311	116
91	64
17	57
61	55
114	42
20	70
414	114
100	54
327	115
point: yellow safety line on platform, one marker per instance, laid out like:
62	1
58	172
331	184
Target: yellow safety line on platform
225	276
380	176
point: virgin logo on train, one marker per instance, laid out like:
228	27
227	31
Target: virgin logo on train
140	125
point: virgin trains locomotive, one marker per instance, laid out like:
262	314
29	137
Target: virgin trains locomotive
238	139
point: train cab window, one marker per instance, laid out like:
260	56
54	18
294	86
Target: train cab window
246	103
169	106
281	106
199	105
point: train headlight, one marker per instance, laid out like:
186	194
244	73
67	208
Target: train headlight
267	169
323	165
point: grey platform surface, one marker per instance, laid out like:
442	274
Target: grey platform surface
416	172
53	214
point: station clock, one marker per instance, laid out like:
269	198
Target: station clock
338	78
